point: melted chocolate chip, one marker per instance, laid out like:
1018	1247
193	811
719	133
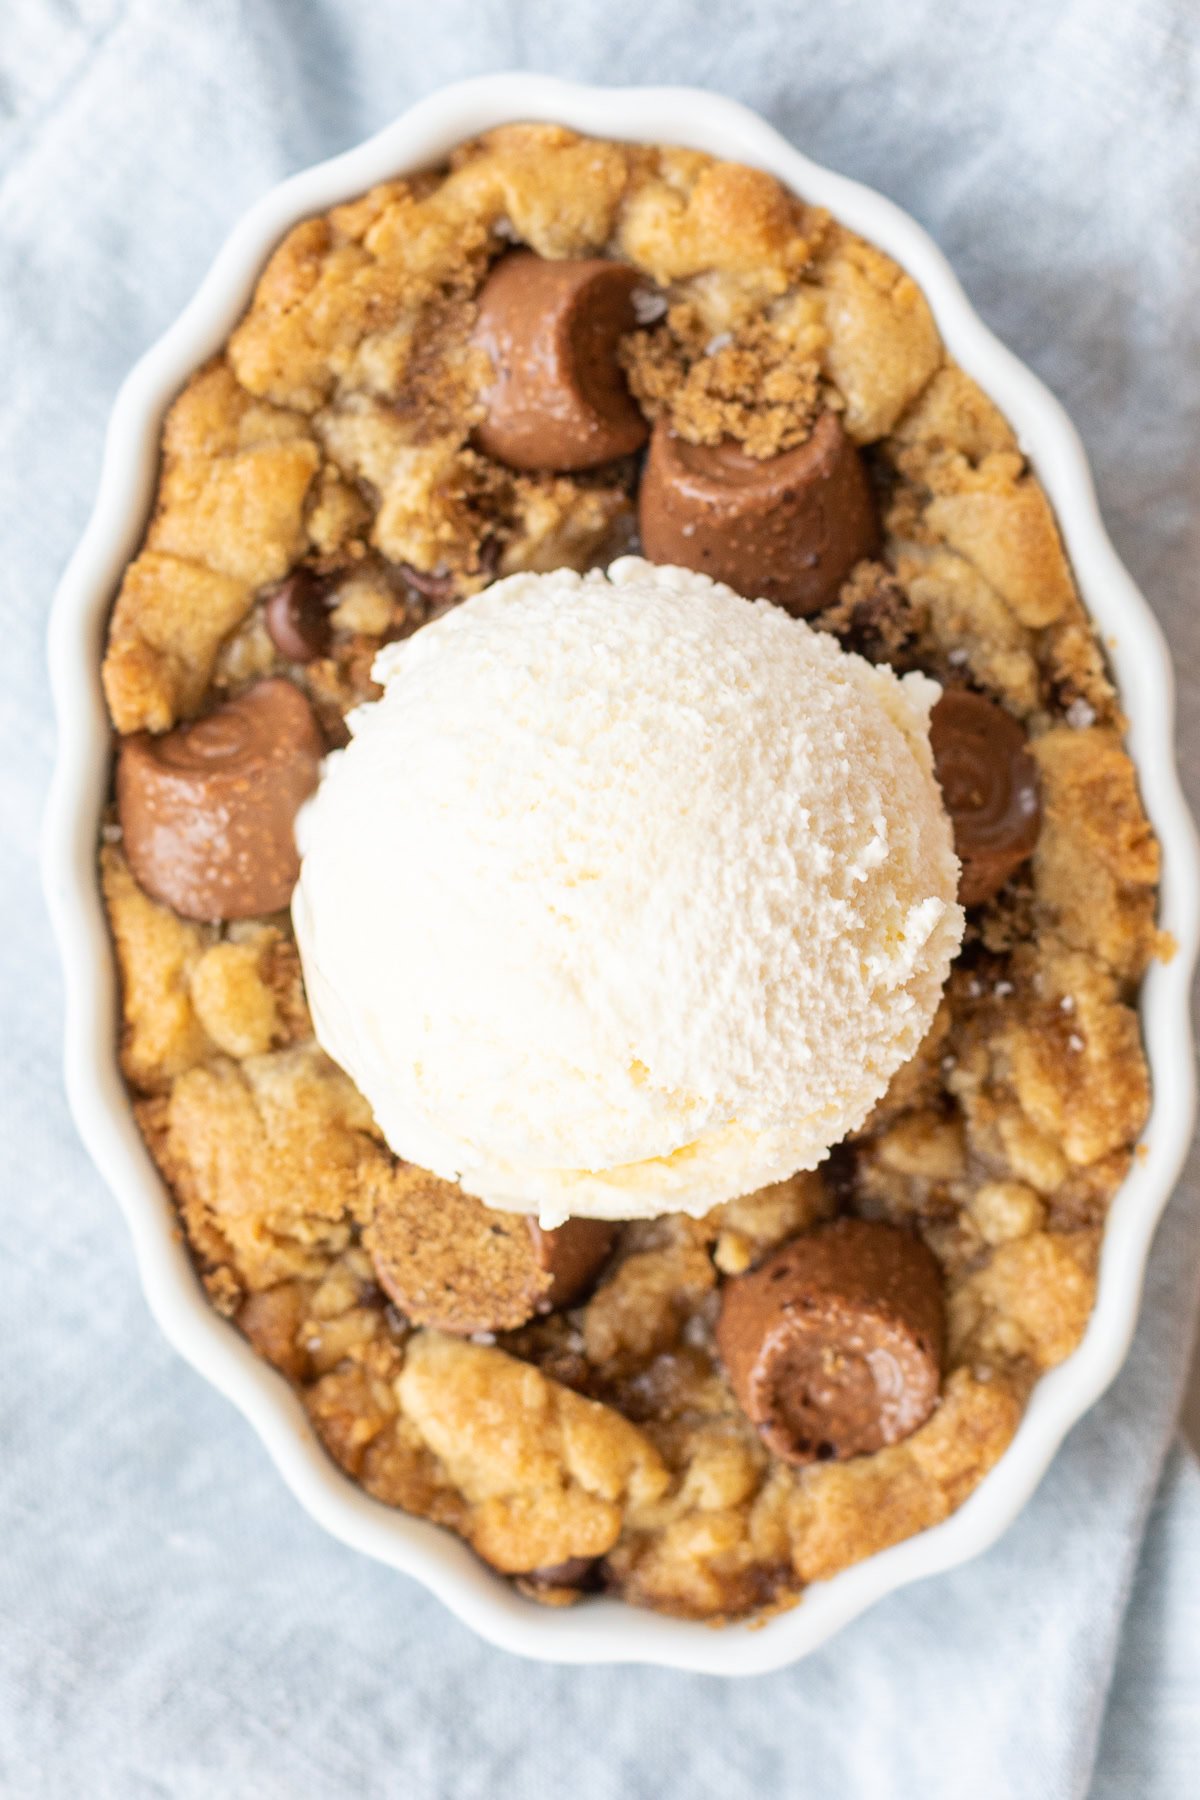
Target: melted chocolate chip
297	618
432	584
441	584
576	1572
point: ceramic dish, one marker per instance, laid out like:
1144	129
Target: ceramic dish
603	1630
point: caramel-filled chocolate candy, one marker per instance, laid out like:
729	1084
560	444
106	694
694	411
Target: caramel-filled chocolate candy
208	810
833	1345
789	528
571	1256
558	397
990	786
449	1261
297	618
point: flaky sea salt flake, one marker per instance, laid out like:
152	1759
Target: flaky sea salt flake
649	305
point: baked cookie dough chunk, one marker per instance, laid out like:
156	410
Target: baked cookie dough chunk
270	1160
546	1474
229	518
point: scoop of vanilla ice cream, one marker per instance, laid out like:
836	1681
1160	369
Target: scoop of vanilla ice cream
628	896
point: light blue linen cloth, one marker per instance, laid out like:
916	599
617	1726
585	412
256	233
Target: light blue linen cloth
171	1624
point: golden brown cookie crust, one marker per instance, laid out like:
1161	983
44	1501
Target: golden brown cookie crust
334	432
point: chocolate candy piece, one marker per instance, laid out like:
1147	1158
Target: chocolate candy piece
449	1261
297	618
788	529
208	809
990	786
558	398
571	1256
833	1345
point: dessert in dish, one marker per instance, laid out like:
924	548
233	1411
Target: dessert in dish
552	354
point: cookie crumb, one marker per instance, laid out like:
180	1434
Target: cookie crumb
759	384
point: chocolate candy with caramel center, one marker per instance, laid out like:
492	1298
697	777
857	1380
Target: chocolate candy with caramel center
208	810
990	786
448	1261
833	1345
789	528
558	398
571	1256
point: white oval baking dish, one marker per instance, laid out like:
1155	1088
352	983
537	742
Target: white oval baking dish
601	1630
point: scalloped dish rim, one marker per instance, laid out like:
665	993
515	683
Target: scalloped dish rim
604	1630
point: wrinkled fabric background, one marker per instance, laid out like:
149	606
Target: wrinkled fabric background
171	1624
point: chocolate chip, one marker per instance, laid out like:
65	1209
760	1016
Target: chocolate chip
872	616
208	810
788	528
489	553
575	1572
432	584
990	786
297	618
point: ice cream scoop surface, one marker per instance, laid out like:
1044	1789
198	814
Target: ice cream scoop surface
628	896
